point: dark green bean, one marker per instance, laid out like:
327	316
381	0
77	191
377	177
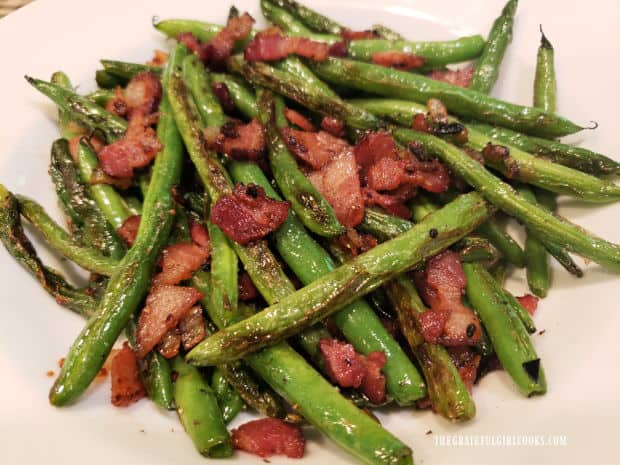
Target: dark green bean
227	398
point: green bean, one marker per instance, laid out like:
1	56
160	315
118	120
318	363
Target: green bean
308	203
386	32
82	109
341	286
297	68
101	97
544	81
241	95
312	19
129	284
544	224
359	324
499	271
446	390
62	242
68	127
503	242
487	68
107	80
291	25
520	165
510	340
199	411
126	70
87	223
284	83
17	244
382	225
229	401
197	80
465	102
520	311
323	406
134	205
537	264
568	155
105	196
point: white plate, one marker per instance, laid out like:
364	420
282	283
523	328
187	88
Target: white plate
580	349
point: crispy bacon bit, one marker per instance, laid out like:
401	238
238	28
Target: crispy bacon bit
299	120
179	261
199	234
165	306
448	321
143	93
170	344
160	58
126	385
317	149
348	34
74	143
192	328
241	141
247	290
381	161
129	229
501	155
348	368
270	46
467	363
269	436
373	385
220	89
399	60
338	49
394	203
193	44
333	125
220	47
421	124
339	183
117	105
248	214
458	77
354	242
136	149
528	302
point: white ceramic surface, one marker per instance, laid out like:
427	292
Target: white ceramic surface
579	349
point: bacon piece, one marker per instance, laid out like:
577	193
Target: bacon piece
220	89
170	344
299	120
220	47
143	93
467	363
500	154
448	321
192	328
332	125
165	306
136	149
348	368
274	46
248	214
199	234
385	167
129	229
355	242
117	105
529	302
458	77
160	58
247	290
338	49
343	364
126	385
179	261
398	60
269	436
193	44
339	183
241	141
317	149
373	384
348	34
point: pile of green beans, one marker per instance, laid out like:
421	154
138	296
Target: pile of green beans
266	356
